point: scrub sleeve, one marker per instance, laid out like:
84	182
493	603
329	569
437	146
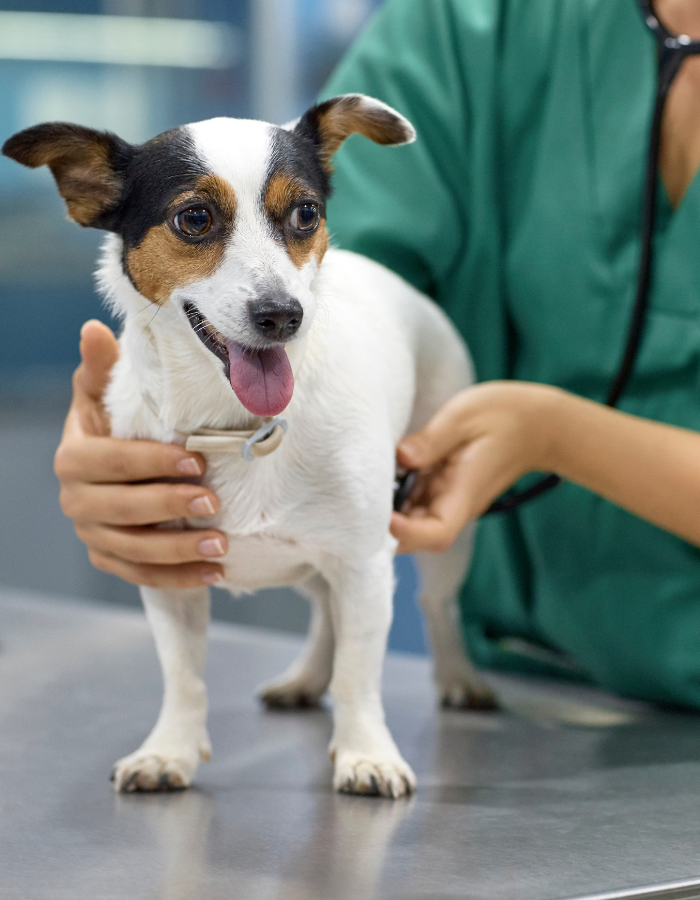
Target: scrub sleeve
518	210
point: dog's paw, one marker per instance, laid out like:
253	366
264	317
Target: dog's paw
356	773
295	692
147	770
463	694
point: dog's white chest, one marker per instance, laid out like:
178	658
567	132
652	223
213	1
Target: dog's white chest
260	561
261	504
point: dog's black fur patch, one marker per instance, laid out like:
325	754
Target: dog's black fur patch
146	177
308	128
156	173
295	154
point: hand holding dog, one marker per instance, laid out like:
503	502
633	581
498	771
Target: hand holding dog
111	487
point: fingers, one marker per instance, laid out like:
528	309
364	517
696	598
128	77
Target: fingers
136	504
100	487
434	521
446	431
109	460
186	575
154	546
419	535
457	493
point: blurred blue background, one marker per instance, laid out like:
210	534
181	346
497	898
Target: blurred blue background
136	67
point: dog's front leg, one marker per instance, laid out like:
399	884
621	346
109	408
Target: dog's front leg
168	758
367	760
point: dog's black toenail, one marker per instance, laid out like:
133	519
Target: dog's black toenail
481	703
130	784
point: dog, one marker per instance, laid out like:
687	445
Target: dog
235	311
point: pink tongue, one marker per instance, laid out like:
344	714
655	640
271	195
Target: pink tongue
261	379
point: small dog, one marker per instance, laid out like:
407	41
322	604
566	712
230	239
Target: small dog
234	310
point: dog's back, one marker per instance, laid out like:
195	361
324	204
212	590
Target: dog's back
399	335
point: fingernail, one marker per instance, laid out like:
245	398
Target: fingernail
212	578
211	547
189	466
202	506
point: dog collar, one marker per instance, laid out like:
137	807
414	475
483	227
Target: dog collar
251	444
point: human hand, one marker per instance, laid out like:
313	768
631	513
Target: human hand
109	487
474	448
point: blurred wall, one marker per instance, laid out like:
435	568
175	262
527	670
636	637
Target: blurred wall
135	67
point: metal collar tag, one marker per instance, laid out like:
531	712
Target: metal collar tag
266	439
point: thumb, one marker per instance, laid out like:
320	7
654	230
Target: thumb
99	351
443	434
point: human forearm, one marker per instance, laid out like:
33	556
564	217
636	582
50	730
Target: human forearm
485	438
650	469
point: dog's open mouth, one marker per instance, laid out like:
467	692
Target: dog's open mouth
261	379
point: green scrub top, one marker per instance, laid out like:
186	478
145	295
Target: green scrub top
518	210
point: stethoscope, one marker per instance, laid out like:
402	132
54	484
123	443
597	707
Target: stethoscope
672	50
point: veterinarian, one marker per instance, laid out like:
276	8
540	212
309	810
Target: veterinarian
518	210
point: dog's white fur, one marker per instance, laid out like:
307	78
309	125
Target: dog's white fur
373	360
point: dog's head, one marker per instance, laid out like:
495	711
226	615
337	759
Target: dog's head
224	219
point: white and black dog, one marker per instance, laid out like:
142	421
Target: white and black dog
234	311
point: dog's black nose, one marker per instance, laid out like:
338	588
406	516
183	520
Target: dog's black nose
276	319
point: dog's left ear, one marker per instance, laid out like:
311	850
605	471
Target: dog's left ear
330	122
88	166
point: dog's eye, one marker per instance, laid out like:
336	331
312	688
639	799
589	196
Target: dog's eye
305	217
194	221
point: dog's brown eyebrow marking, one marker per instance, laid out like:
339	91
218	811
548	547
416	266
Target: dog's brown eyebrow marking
163	262
281	193
221	193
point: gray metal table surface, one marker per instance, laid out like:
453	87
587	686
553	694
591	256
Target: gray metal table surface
568	792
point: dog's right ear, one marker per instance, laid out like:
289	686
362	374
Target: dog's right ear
88	166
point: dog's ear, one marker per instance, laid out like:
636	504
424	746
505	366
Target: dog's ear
88	166
329	123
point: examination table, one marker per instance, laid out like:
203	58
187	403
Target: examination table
567	793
